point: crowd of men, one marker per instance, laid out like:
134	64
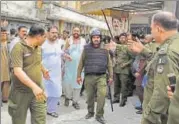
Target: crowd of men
38	66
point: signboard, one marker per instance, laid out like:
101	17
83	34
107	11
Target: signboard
118	25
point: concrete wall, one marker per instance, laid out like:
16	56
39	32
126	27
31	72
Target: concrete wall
137	19
16	24
170	6
19	8
20	13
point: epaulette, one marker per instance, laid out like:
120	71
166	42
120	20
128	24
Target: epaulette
163	50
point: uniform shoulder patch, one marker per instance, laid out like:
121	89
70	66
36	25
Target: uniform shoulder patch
163	50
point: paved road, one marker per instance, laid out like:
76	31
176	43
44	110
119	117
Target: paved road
68	115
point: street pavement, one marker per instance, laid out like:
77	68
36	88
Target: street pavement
68	115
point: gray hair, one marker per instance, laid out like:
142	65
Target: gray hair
166	20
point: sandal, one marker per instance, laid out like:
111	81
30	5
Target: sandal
4	101
53	114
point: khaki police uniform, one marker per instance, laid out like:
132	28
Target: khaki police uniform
21	97
123	57
164	62
95	81
174	104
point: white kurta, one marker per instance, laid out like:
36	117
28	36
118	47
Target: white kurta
51	59
71	67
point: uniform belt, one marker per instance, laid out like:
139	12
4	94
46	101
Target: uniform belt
95	74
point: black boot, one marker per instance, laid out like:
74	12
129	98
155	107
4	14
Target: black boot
130	94
115	101
123	102
100	120
67	101
89	115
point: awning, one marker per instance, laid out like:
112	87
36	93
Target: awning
94	7
119	10
59	13
112	8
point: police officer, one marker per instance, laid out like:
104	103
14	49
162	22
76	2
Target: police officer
173	94
122	70
96	61
164	63
27	89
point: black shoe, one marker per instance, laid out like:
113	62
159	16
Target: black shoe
95	99
101	120
81	94
89	115
123	103
138	107
139	112
76	105
115	101
67	102
108	97
130	94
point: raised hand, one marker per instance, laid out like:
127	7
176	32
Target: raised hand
135	46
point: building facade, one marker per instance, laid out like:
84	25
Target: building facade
63	14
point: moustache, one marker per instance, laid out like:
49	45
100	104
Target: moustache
96	41
75	34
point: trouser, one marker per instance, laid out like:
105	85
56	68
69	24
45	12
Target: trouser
172	120
121	82
148	116
71	93
5	87
140	93
117	87
52	103
20	102
130	84
155	119
173	112
93	82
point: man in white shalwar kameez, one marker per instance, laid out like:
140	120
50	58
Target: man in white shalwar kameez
51	59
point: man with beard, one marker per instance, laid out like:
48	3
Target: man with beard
5	72
117	26
22	33
51	59
74	48
64	38
96	61
122	70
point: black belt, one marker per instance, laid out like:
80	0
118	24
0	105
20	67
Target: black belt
95	74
